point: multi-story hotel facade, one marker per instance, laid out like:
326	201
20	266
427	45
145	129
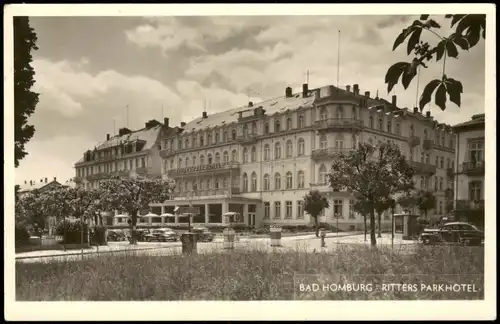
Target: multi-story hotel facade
262	159
469	170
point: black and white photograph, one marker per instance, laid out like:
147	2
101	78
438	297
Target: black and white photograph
272	153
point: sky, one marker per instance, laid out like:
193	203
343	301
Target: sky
88	69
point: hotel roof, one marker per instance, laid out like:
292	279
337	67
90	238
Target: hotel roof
476	120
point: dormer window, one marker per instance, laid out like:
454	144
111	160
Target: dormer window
277	126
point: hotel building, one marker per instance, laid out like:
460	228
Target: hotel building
260	160
469	170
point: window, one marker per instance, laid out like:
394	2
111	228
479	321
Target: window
233	134
442	140
427	159
266	128
209	139
225	183
412	130
354	113
186	143
301	147
180	163
288	209
300	209
254	128
253	155
301	121
277	150
380	124
442	163
337	208
225	157
254	182
370	119
425	134
322	141
202	160
130	162
277	210
187	161
277	126
208	184
289	124
209	159
267	210
422	157
202	138
440	207
340	112
389	126
194	160
179	144
398	129
476	151
233	156
436	183
267	152
171	164
217	157
422	182
352	214
323	114
224	136
216	137
339	142
267	185
245	182
245	130
245	155
277	181
441	183
289	149
300	180
437	161
322	175
475	190
354	141
289	181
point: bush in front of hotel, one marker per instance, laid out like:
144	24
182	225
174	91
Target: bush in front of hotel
22	236
72	234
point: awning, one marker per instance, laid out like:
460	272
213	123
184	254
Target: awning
167	215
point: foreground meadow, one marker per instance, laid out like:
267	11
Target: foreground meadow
260	275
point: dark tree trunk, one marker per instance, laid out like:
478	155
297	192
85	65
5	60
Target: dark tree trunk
373	239
379	216
133	225
316	225
366	229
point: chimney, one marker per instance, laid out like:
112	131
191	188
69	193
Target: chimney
25	181
31	182
288	92
394	100
41	180
348	88
250	104
45	180
107	137
428	114
165	121
304	90
355	89
204	114
55	179
367	94
183	124
415	110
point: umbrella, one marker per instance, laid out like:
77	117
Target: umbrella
230	214
167	215
150	214
120	215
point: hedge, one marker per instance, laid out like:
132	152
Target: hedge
22	236
73	231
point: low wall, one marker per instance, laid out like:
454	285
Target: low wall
41	247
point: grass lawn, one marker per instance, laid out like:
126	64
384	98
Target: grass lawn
255	275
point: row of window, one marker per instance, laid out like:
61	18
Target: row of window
426	183
111	167
276	211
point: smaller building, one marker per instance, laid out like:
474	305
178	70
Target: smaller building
469	171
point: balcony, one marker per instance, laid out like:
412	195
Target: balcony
205	169
327	153
206	193
428	144
473	168
423	168
338	124
450	172
469	205
247	139
165	153
414	141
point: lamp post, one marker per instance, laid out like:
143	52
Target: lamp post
337	215
393	206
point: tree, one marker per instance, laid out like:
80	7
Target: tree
425	201
364	208
467	31
30	209
25	100
132	195
380	207
314	204
408	200
372	174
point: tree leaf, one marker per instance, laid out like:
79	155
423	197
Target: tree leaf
440	50
431	24
394	73
424	17
408	75
440	98
414	39
448	16
451	49
473	35
462	42
401	37
455	90
425	97
456	18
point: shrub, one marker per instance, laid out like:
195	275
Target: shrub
98	236
73	230
22	236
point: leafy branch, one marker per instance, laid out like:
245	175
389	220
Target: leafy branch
468	31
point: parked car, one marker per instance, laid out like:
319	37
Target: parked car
204	234
161	235
116	235
141	234
455	232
